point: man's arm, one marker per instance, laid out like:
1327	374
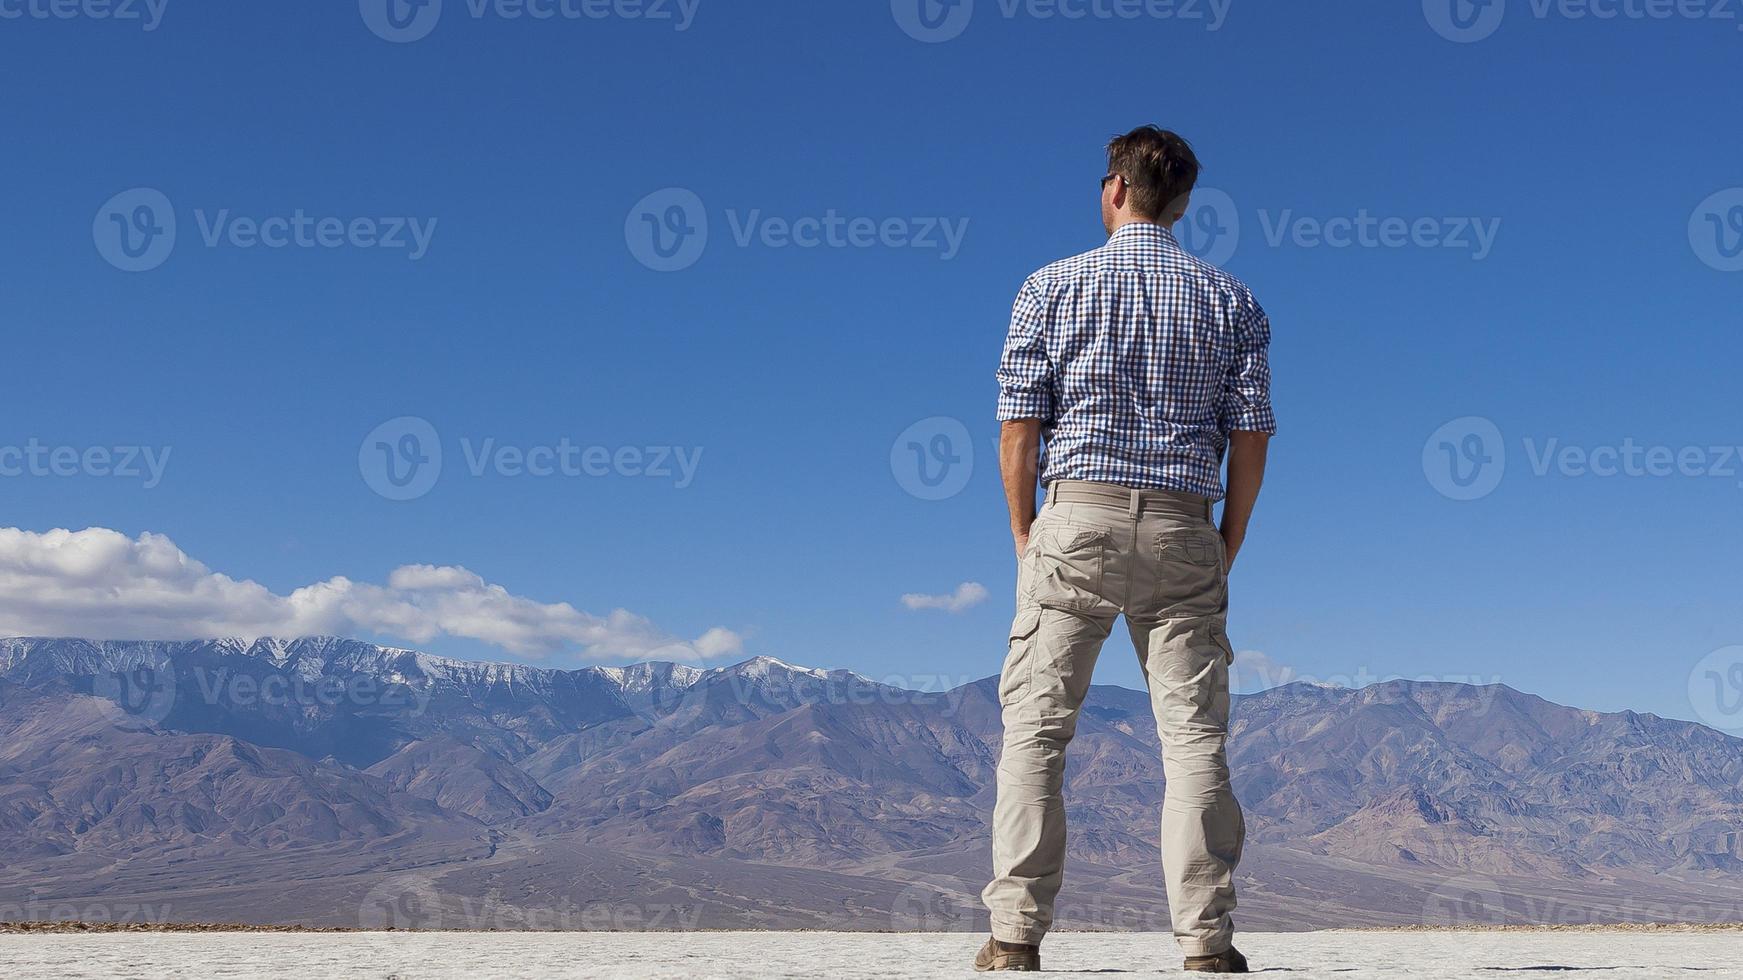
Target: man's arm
1247	451
1019	455
1026	404
1245	414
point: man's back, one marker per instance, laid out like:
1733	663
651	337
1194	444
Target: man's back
1139	358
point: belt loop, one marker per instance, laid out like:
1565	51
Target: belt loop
1137	502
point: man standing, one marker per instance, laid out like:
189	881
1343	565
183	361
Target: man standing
1141	367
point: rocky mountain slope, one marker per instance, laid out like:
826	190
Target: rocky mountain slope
768	794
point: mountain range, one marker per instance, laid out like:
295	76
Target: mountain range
333	782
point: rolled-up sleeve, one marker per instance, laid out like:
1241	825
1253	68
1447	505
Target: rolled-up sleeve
1025	370
1245	405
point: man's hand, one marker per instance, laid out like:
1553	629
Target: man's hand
1247	451
1019	456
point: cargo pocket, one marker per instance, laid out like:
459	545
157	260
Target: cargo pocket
1020	659
1065	567
1219	635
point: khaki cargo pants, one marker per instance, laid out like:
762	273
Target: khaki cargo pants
1097	551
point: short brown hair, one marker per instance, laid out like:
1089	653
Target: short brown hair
1158	165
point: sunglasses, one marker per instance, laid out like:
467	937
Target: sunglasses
1104	180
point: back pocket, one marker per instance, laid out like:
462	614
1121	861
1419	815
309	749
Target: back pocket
1065	566
1189	573
1190	547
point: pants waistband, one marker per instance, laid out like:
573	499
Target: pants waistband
1133	501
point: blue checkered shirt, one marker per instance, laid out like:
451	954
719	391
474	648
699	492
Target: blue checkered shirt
1139	359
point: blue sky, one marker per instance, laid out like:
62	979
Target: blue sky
1556	173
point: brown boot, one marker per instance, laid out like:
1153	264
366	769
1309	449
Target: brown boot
1229	962
1007	956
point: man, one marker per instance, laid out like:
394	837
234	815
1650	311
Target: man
1141	367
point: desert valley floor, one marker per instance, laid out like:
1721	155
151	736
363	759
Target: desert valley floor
773	955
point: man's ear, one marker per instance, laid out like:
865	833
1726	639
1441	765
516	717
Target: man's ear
1122	191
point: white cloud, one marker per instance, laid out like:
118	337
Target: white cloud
1254	671
967	594
101	584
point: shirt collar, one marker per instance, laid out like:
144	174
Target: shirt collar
1142	230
